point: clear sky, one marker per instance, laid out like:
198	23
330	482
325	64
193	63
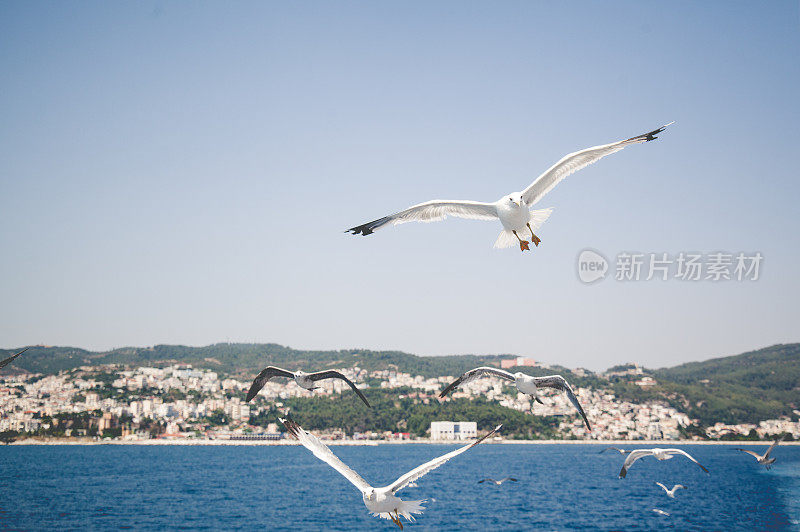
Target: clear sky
176	172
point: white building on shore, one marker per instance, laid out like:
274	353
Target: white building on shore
454	430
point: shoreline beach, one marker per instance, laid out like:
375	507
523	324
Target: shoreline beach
371	443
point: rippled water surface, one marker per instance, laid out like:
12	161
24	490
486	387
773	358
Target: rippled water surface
560	487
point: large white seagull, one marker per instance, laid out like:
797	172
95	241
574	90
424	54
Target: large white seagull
513	210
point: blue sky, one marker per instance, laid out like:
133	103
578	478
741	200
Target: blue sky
183	172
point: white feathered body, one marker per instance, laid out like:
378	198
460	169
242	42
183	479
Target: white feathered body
302	380
526	384
516	218
383	501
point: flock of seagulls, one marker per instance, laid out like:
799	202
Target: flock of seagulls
384	502
513	210
519	223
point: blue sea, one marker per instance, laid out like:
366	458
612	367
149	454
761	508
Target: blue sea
560	487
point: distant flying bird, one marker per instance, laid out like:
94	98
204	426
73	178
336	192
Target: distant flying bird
304	380
764	459
10	359
660	512
524	383
381	502
498	482
620	451
513	210
659	454
671	493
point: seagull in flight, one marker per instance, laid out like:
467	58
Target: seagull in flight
671	493
764	459
513	210
381	502
659	454
10	359
498	482
620	451
524	383
660	512
304	380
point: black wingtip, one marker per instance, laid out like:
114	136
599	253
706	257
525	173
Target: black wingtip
363	230
291	427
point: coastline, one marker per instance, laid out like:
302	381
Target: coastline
373	443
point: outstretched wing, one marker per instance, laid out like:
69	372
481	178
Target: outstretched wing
473	374
766	454
431	211
332	374
427	467
559	383
262	378
632	457
484	480
321	451
687	455
751	453
662	485
10	359
620	451
575	161
512	479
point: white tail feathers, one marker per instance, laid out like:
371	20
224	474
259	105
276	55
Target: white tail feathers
507	238
406	509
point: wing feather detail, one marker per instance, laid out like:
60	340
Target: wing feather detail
571	163
632	457
264	377
10	359
473	374
431	211
333	374
427	467
321	451
560	383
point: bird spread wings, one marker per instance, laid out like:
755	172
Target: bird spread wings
10	359
332	374
262	378
573	162
662	485
559	383
473	374
427	467
321	451
431	211
687	455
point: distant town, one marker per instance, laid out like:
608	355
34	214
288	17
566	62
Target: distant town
181	402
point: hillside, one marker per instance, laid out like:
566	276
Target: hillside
744	388
245	359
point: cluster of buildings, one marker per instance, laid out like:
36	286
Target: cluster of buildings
182	402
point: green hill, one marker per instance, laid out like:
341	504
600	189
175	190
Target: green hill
246	359
744	388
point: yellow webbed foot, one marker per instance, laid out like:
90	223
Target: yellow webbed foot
523	245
